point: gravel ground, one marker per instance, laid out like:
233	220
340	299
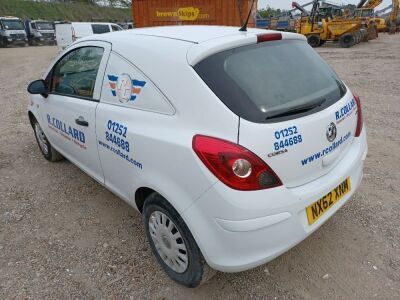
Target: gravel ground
63	236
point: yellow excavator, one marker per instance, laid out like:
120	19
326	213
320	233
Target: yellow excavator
393	16
319	29
365	13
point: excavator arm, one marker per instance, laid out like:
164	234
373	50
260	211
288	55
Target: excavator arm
295	5
393	16
372	3
369	3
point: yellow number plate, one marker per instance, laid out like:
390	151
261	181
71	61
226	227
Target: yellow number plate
318	208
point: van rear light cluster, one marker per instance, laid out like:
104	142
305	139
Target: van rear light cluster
267	37
359	116
234	165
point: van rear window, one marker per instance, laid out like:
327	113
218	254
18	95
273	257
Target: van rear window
272	81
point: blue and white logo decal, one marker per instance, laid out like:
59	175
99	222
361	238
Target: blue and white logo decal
124	87
345	111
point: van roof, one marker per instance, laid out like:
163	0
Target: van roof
95	23
9	17
201	40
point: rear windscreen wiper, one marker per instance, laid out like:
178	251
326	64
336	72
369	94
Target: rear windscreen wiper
296	110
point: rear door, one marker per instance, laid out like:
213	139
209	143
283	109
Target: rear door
64	35
305	148
69	111
295	112
81	30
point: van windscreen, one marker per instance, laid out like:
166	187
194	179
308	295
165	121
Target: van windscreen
271	81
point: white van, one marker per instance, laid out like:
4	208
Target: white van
12	32
67	33
40	32
254	161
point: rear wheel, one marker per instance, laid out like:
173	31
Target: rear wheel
45	147
347	40
358	37
172	243
314	40
364	34
355	38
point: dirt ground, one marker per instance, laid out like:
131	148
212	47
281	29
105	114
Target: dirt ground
64	236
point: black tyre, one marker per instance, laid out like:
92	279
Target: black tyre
45	147
357	36
321	42
347	40
3	42
365	37
172	243
313	40
360	35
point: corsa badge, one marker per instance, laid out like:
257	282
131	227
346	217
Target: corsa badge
331	132
272	154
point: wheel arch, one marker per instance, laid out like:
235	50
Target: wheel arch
32	118
140	197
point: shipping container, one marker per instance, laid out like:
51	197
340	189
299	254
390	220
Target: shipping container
148	13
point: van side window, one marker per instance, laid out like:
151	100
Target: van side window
115	28
47	80
125	85
99	28
75	74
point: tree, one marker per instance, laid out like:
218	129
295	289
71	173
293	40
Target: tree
120	3
270	12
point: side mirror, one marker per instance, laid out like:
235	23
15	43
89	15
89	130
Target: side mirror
38	87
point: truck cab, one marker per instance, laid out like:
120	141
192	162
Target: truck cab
40	32
12	31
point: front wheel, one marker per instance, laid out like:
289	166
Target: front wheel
3	42
45	147
314	40
172	243
347	40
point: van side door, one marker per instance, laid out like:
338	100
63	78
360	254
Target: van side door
130	103
69	111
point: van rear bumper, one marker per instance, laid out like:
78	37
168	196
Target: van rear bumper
238	230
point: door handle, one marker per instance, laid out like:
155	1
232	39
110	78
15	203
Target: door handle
81	121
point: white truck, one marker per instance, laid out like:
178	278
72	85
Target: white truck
12	31
67	33
40	32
